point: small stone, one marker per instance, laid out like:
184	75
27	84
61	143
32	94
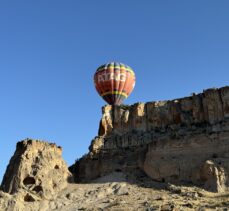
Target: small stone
70	196
158	197
121	191
167	207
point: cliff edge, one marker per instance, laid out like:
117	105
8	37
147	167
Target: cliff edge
183	141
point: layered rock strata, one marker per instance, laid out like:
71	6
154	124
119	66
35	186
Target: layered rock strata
37	168
183	140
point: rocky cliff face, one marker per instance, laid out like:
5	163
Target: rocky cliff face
182	141
37	169
142	159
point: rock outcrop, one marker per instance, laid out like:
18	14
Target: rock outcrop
142	159
181	141
37	168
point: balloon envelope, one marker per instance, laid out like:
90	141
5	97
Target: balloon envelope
114	82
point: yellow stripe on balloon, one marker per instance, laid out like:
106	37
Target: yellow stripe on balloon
114	92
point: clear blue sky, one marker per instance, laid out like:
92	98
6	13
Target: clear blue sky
49	51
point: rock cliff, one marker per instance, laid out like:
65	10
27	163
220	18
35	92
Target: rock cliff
181	141
154	156
37	168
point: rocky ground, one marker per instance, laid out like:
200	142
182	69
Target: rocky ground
121	192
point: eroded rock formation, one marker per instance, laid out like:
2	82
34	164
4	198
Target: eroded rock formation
182	141
156	146
38	169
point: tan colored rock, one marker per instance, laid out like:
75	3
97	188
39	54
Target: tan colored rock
38	168
106	122
112	193
96	144
209	107
181	160
213	107
168	140
225	100
120	183
197	108
138	117
163	170
214	176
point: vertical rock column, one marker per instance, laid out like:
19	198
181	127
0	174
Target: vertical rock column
38	168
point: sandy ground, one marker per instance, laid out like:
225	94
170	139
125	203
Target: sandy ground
121	192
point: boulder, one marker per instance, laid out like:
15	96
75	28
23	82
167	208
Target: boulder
38	168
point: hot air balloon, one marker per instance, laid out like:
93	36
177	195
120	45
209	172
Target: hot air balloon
114	82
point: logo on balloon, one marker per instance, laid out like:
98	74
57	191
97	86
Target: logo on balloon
111	76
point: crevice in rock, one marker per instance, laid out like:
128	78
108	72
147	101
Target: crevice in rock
57	167
29	198
29	181
38	189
